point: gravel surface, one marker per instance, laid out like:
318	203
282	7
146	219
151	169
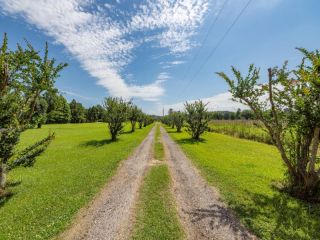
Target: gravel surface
201	212
111	213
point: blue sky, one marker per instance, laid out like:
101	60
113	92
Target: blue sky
159	52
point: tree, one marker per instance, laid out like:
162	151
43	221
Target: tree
133	115
24	77
197	118
178	119
247	114
78	112
116	115
58	108
170	114
238	114
289	107
38	77
141	118
95	114
40	113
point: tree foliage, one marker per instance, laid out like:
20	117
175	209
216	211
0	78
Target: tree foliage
78	112
289	107
116	115
197	118
24	77
133	115
178	120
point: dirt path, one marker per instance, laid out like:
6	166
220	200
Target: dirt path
111	214
201	212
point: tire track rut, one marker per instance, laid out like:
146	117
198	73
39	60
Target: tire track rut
201	212
111	214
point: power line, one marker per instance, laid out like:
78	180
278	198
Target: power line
205	38
218	44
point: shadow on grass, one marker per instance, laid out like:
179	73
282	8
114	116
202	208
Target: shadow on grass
172	131
127	132
97	143
190	141
219	216
291	219
4	197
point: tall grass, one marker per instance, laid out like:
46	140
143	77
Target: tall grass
247	129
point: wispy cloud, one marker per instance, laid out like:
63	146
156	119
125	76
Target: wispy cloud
102	44
78	95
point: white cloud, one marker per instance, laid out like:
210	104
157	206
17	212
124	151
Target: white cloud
78	95
219	102
100	43
179	20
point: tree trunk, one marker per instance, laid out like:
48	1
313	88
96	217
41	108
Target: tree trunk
314	150
3	176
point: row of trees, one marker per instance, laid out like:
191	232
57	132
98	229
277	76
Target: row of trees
119	111
28	98
25	76
196	117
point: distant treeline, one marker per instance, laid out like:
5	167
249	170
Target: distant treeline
227	115
54	108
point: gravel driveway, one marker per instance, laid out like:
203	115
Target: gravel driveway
111	213
201	212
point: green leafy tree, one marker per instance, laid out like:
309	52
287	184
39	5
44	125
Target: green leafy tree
40	113
289	107
78	112
96	114
178	119
133	115
24	77
197	118
38	77
116	115
58	108
141	117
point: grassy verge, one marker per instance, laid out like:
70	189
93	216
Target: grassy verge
244	171
158	147
156	215
65	178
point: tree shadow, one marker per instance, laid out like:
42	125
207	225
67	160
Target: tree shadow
219	216
127	132
7	194
191	141
5	197
13	183
290	218
97	143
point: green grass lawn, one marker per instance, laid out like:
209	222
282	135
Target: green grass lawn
66	177
158	147
156	214
244	172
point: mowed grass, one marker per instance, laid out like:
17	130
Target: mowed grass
245	172
156	214
65	178
158	146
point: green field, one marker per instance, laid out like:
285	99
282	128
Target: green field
156	214
65	178
245	172
247	129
